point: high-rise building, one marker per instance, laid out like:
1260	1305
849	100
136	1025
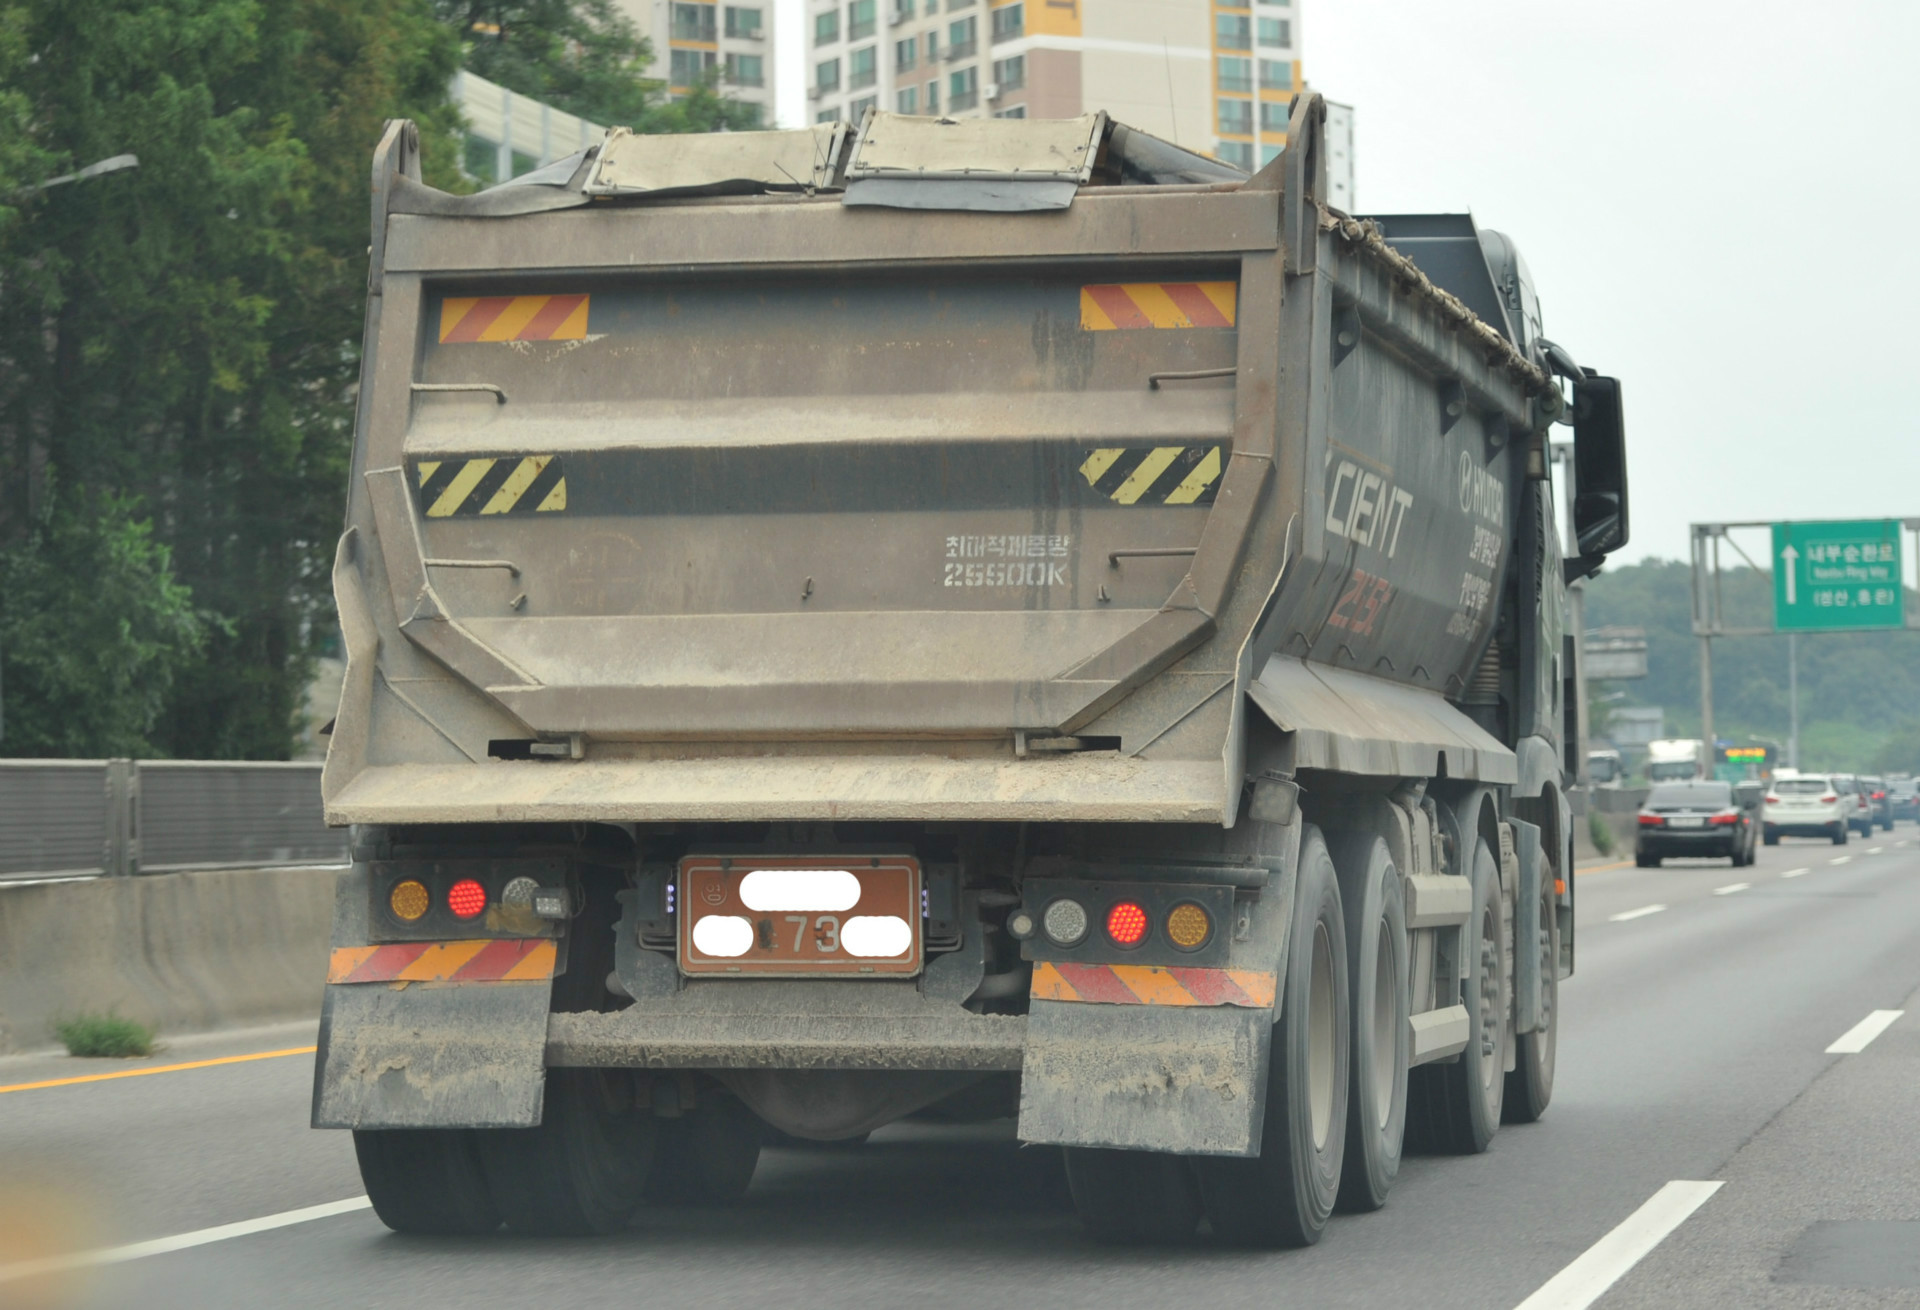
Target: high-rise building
692	41
1213	75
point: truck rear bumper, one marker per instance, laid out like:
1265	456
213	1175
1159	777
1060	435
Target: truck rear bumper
945	1038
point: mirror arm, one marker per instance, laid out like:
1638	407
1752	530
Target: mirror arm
1582	566
1562	362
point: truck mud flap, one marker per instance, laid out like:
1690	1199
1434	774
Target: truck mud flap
1526	926
1184	1079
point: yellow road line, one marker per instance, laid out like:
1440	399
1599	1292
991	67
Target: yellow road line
1602	868
162	1068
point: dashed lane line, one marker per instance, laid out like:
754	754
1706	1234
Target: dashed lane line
159	1068
113	1255
1796	873
1840	859
1640	913
1875	850
1608	1260
1857	1038
1731	888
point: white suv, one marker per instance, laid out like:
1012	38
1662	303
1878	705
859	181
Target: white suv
1808	805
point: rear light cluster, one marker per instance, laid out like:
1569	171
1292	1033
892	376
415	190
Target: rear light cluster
1092	923
425	899
1725	818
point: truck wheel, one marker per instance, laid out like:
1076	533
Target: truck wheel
425	1180
1377	960
707	1157
1456	1107
1530	1083
584	1168
1133	1196
1284	1197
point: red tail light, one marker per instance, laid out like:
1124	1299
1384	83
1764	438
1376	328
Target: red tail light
1730	816
1879	795
1830	798
1773	800
466	898
1126	924
1651	821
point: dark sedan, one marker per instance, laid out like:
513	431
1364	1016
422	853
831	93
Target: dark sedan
1691	820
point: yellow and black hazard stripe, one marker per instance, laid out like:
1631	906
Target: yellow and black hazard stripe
494	484
1155	475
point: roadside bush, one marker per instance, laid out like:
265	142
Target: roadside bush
104	1035
1601	834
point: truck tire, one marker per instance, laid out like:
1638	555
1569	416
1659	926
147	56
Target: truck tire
1133	1196
1285	1196
1456	1107
584	1169
1530	1082
1377	961
707	1157
425	1180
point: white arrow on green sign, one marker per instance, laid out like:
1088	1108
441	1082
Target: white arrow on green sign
1837	574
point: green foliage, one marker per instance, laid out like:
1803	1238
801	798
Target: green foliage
105	1035
1853	685
184	337
586	57
1900	753
1600	834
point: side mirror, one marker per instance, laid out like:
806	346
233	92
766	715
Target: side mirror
1599	467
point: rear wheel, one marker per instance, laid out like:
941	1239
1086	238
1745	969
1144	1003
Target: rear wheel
584	1168
707	1157
1771	836
1284	1197
1377	960
1646	861
1530	1082
1133	1196
425	1180
1456	1107
1840	834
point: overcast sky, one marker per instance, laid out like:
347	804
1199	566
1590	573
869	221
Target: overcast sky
1718	202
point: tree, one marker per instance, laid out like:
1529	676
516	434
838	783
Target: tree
178	346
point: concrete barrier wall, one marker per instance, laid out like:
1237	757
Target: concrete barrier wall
184	952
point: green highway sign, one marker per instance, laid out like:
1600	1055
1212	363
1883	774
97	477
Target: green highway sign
1837	574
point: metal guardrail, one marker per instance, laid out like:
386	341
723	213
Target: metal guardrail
70	818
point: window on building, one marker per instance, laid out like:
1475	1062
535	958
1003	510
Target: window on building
858	109
907	101
1231	4
1269	153
933	7
958	4
1009	21
963	38
863	67
933	96
1237	153
746	70
692	22
745	24
826	27
827	116
1236	117
903	12
1231	32
1234	74
689	67
1276	32
1276	75
906	54
1273	116
1018	111
963	89
826	75
860	22
1010	74
1278	4
933	47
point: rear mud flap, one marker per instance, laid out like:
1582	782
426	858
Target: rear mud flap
1181	1079
432	1055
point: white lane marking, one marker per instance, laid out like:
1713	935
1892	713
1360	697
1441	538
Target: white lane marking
1795	873
1731	888
1875	850
1858	1036
1604	1263
113	1255
1840	859
1640	913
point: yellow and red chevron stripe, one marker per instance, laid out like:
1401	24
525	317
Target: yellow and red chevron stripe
1124	305
496	960
1147	984
513	318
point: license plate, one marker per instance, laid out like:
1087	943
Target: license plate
1686	821
800	916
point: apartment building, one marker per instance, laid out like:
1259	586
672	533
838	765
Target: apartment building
692	41
1213	75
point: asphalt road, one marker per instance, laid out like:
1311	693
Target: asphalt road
1694	1047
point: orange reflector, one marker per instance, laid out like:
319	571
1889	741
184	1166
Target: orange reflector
1126	923
466	898
1188	926
408	900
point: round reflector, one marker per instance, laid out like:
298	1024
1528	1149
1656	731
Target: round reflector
518	893
1065	922
1127	924
1188	926
408	900
466	898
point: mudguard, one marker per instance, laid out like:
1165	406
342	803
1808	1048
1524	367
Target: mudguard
1526	926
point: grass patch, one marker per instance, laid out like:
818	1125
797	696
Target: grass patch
104	1035
1601	834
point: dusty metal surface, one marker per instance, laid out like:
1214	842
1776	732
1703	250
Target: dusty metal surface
947	1038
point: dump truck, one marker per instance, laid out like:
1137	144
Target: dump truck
970	619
